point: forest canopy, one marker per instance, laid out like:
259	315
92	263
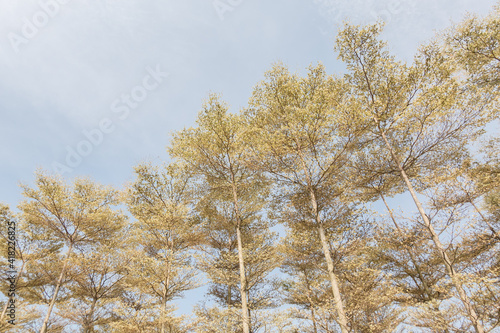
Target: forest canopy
285	209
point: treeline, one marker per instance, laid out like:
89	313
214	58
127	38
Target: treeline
306	157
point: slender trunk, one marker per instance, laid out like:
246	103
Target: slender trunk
313	318
88	326
229	295
165	293
243	284
56	291
334	282
444	256
243	278
339	306
15	283
249	314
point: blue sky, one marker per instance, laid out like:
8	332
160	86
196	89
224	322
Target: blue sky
95	87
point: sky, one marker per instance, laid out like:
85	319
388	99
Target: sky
93	88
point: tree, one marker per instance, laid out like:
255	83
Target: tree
219	260
369	297
475	45
215	151
96	282
403	251
464	200
420	115
74	216
307	285
302	140
482	181
163	236
406	254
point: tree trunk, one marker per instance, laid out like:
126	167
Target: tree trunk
243	278
333	279
87	328
165	293
473	317
56	291
313	318
339	306
229	296
243	284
